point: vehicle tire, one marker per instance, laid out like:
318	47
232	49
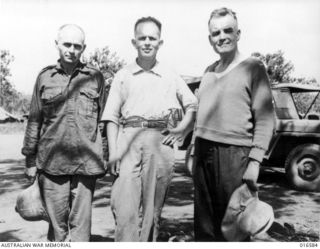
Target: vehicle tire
303	167
189	158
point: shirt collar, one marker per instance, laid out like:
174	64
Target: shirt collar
136	69
80	67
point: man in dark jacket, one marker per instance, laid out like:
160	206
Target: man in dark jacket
62	141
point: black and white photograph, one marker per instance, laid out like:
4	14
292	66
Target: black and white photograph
159	121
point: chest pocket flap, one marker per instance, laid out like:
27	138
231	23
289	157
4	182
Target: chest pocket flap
51	95
88	103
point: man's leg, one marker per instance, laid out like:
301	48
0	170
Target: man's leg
55	191
82	189
204	184
218	172
157	168
126	190
233	161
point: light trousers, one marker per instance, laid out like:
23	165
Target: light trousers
138	194
68	200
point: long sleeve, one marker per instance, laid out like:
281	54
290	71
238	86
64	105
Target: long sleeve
32	134
262	111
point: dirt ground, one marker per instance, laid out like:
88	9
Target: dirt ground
297	214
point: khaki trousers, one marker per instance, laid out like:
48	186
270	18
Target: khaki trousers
138	194
68	200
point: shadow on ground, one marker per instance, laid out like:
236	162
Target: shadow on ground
274	186
287	233
99	238
9	236
177	221
12	176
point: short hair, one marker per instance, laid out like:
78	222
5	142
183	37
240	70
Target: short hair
223	12
148	19
71	25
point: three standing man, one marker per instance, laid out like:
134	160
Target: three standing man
144	119
234	126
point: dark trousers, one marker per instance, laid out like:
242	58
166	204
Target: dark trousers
218	172
68	200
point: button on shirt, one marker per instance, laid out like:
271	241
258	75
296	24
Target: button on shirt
148	94
62	129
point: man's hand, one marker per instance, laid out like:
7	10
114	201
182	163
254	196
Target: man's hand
172	135
31	169
251	175
114	166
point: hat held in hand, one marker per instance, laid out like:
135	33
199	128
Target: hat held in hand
246	215
29	204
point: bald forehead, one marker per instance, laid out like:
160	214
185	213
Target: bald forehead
71	33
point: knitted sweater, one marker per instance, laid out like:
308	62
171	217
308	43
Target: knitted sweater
236	108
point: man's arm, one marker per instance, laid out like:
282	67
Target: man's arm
189	103
102	94
112	134
264	123
32	134
111	114
182	129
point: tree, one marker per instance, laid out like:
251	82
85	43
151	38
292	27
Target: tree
8	93
108	63
10	98
278	68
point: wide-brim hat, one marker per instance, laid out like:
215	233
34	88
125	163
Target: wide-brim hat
246	215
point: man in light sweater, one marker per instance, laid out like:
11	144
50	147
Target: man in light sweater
235	122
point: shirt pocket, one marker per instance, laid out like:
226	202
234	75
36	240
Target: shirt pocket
50	101
88	103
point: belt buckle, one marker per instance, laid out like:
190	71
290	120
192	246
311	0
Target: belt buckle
144	124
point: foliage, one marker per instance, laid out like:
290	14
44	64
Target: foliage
278	68
108	63
304	100
10	99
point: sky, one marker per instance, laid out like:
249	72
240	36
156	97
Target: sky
29	28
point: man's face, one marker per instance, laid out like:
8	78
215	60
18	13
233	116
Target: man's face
70	44
147	40
224	34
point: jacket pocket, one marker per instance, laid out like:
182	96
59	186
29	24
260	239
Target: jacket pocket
88	103
50	101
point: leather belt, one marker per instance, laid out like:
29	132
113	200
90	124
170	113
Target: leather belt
144	123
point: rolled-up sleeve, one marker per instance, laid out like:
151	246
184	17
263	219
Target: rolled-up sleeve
35	119
114	102
186	97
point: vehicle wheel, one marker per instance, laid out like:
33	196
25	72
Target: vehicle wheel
303	167
189	159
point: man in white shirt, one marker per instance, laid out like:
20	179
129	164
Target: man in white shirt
145	102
